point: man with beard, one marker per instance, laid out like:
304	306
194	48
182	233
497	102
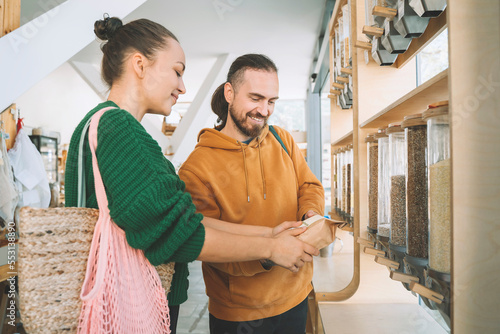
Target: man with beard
241	172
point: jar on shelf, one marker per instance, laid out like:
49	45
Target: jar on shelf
397	207
383	224
346	199
372	159
334	178
340	159
439	160
417	221
351	182
346	15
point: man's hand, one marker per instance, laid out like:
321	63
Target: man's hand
290	252
309	214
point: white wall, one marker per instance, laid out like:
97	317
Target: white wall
58	102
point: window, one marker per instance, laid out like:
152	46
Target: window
290	115
433	59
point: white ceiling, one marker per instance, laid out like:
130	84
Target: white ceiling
285	30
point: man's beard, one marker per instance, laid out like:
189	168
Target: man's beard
251	131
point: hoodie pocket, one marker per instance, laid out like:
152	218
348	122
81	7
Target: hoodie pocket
265	289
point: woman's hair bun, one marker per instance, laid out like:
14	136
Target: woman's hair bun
106	28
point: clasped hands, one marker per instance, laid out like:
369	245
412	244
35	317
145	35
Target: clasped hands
289	252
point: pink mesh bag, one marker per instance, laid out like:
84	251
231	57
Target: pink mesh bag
122	291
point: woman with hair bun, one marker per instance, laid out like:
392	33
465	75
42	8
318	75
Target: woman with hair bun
143	64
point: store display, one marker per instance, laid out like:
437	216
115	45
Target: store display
439	158
416	186
397	208
383	223
408	23
372	149
47	146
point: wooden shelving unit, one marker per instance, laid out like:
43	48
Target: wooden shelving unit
381	95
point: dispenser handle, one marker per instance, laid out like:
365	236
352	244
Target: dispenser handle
387	262
426	292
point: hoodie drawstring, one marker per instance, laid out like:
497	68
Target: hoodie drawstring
262	170
246	171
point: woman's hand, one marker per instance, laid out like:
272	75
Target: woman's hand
290	252
285	226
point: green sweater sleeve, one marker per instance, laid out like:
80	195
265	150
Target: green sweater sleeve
145	196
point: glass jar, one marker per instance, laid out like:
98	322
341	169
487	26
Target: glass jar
334	178
346	197
348	181
372	181
346	15
351	180
417	221
383	225
341	183
339	180
439	160
397	207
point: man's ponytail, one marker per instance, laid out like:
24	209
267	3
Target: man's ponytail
220	107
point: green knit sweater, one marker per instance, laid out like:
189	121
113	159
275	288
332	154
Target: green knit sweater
146	198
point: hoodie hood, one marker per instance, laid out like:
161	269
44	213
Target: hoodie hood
215	139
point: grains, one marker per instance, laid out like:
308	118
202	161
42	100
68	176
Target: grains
373	187
348	190
398	210
416	192
439	202
344	189
383	224
384	230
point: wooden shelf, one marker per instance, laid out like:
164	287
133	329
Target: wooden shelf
346	139
416	101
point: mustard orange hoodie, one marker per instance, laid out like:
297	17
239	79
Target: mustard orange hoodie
254	184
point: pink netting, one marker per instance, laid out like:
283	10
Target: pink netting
122	291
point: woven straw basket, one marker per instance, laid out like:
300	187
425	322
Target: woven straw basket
54	247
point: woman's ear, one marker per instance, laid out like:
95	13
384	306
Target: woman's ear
228	92
138	62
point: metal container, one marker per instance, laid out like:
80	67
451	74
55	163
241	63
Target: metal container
380	54
428	8
392	41
407	22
